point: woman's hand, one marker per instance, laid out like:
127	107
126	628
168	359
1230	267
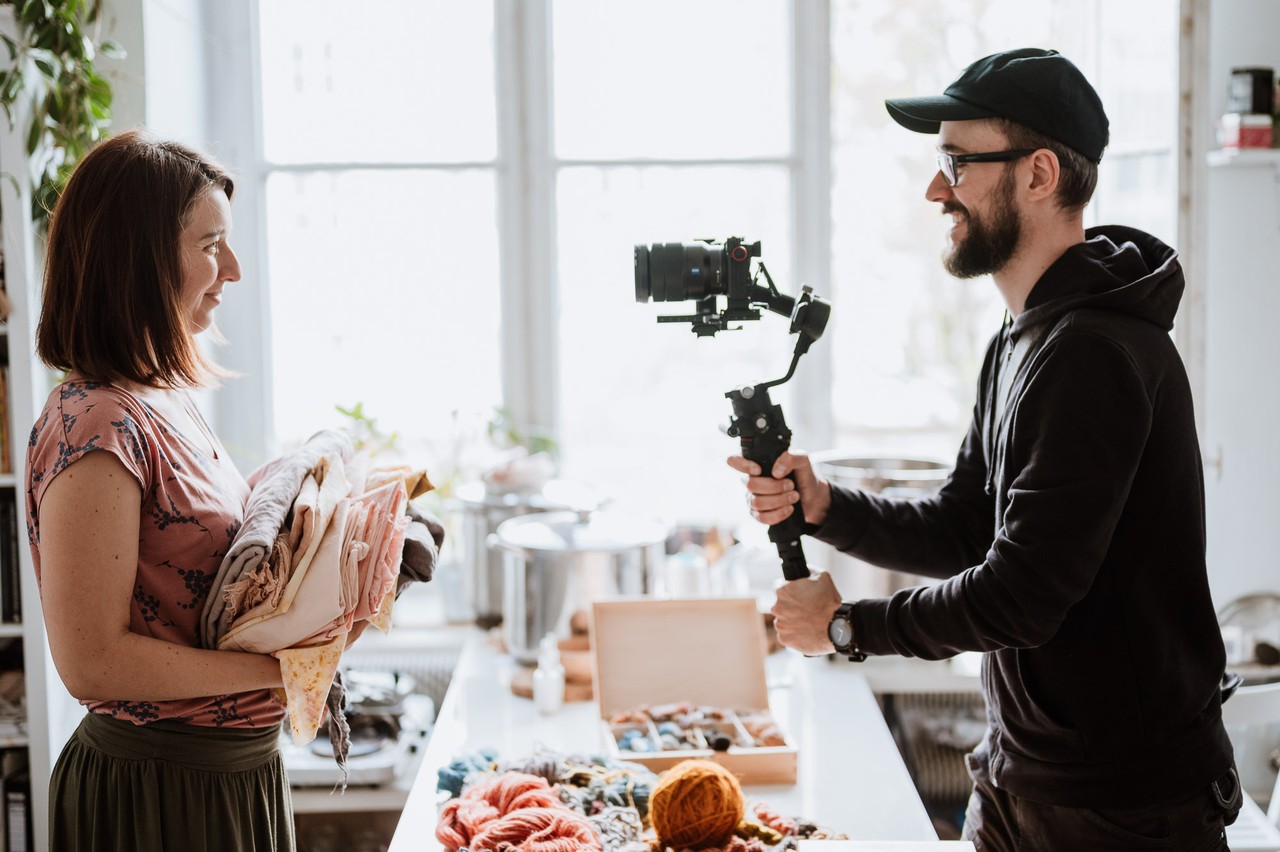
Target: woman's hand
772	497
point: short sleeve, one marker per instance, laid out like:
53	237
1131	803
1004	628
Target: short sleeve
79	418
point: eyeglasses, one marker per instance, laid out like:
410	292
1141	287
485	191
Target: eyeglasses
949	164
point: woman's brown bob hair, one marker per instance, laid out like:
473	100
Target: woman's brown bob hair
113	270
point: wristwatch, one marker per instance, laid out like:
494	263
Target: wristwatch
840	632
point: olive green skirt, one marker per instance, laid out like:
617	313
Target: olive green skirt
169	786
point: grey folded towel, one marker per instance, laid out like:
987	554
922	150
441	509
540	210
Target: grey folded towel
422	541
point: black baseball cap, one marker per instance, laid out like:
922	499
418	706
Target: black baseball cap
1040	89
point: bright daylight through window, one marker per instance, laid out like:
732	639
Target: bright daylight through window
421	192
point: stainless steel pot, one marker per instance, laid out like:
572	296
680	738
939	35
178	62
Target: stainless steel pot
483	511
890	477
556	563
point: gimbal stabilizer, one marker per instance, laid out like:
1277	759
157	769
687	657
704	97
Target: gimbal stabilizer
706	271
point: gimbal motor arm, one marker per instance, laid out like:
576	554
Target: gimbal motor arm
761	429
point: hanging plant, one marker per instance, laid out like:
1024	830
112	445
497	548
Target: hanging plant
52	62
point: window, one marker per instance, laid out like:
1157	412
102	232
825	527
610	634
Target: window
381	214
672	123
450	205
909	339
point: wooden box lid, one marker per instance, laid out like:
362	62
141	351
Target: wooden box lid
708	651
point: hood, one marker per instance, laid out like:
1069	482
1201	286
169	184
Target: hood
1115	269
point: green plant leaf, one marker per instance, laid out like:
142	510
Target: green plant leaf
35	134
112	50
71	101
99	89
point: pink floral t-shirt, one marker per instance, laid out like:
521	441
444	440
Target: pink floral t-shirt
192	505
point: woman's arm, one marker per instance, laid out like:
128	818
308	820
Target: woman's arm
89	522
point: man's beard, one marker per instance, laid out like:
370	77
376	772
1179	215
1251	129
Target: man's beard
989	243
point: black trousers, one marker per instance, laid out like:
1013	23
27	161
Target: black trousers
999	822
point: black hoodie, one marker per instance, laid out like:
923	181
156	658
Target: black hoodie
1070	540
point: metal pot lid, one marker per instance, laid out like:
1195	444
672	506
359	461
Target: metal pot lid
578	532
555	495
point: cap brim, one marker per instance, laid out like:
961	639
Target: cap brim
925	115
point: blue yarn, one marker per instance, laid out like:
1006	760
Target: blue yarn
634	740
453	777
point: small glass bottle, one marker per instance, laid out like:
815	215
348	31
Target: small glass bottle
548	677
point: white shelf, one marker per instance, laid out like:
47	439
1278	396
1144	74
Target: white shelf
51	712
1246	157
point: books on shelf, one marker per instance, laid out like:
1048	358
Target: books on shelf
13	701
15	776
11	534
6	445
4	297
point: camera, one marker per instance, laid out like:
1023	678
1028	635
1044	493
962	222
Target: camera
707	271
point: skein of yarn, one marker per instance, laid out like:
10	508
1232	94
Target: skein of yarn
514	810
538	830
696	804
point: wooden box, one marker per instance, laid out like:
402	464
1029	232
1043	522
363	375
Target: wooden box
707	651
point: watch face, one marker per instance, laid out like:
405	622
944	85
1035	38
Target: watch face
840	632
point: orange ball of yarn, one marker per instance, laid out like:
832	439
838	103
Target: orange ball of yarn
697	803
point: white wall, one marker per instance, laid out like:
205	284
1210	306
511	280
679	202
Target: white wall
1241	401
161	84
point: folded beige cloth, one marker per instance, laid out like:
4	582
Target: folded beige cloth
312	596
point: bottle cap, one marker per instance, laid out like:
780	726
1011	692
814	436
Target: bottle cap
548	651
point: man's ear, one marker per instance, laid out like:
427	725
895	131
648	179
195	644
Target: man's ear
1045	171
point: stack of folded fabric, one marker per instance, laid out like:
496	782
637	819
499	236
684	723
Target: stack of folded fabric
319	553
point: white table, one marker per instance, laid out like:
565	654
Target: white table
850	779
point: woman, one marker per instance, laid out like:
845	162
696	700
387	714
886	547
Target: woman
133	503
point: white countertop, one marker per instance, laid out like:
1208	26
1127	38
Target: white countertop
850	777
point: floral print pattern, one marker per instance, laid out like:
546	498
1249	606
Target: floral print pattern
192	504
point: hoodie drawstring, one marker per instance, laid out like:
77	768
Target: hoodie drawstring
993	387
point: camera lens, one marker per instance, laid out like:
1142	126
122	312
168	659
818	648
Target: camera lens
642	274
674	272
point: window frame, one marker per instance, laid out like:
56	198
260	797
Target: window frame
526	170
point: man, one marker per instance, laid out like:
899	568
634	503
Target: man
1070	536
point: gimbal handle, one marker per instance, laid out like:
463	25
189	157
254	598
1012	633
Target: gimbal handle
763	434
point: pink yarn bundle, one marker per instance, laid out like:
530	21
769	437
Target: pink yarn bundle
538	830
514	809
